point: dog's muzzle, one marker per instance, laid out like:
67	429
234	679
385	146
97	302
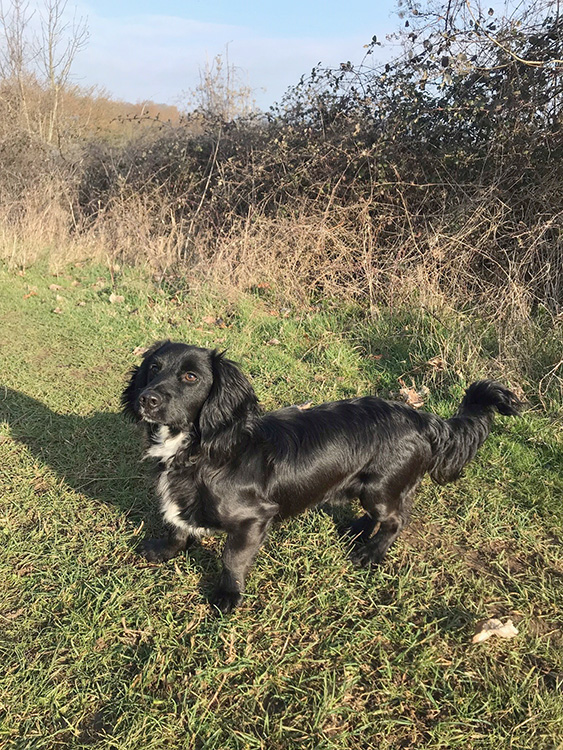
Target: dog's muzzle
149	403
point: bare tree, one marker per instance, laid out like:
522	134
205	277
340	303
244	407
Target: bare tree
221	93
59	42
35	68
15	57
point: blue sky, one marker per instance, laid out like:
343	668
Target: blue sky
153	50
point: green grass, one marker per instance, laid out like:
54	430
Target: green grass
100	649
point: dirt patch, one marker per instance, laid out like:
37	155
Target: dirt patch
78	373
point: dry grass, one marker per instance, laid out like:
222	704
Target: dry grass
374	252
345	252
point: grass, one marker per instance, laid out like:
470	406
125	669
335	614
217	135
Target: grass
100	649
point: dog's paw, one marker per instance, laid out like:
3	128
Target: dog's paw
157	550
225	600
363	556
359	558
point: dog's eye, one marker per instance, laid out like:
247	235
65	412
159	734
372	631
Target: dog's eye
154	368
190	377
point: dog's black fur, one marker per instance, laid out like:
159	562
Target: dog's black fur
225	465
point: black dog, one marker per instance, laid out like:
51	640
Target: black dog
224	465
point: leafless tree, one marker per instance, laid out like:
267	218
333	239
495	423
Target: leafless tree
40	59
15	56
58	43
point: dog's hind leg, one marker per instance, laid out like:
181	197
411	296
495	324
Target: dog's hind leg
389	505
372	496
373	551
361	529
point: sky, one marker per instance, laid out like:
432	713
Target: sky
148	50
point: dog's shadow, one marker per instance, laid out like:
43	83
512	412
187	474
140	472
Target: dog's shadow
98	457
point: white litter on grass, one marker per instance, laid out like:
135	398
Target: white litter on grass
486	628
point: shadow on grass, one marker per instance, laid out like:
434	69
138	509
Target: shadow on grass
98	456
455	620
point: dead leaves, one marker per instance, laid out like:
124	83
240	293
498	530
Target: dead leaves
437	364
417	396
14	614
305	406
211	320
411	396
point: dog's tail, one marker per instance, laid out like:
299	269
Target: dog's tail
455	441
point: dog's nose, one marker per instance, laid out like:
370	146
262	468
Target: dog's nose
150	400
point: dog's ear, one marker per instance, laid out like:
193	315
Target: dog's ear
138	380
230	402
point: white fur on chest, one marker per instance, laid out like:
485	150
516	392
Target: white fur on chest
165	449
166	445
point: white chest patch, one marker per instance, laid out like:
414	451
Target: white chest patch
165	448
166	445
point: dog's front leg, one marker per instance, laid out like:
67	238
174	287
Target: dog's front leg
241	548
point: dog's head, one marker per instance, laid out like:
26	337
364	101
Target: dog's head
179	386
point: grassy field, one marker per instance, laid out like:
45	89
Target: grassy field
100	649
